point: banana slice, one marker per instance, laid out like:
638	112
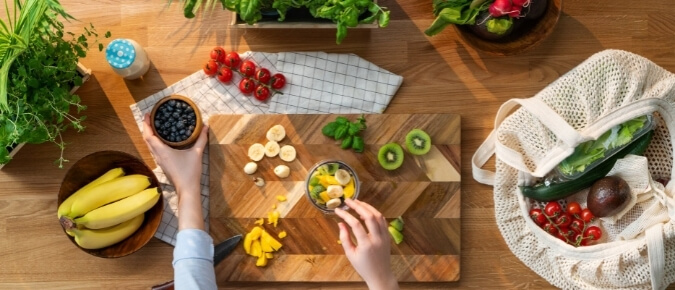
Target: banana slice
342	176
334	191
256	152
333	203
276	133
272	149
282	171
287	153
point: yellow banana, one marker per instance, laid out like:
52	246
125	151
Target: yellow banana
119	211
97	239
64	208
108	192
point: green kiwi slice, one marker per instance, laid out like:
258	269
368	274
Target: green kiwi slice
418	142
390	156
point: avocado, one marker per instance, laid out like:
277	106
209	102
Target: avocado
608	196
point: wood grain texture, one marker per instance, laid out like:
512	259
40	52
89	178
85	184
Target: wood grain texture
441	74
428	199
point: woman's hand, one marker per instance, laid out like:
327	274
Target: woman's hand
184	169
371	255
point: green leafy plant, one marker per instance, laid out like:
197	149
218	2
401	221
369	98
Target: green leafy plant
347	132
39	69
344	13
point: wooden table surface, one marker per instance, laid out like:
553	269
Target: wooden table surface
441	75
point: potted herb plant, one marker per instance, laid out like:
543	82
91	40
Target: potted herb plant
39	70
339	14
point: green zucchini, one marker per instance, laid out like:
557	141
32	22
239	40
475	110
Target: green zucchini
555	191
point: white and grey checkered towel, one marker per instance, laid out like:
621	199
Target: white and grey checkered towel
317	82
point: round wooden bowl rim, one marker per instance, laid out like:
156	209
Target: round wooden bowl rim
198	127
150	223
517	45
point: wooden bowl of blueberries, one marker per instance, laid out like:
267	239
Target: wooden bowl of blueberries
176	121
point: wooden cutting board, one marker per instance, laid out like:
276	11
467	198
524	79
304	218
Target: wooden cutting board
424	191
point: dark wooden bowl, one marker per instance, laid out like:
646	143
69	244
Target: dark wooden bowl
96	164
531	34
187	143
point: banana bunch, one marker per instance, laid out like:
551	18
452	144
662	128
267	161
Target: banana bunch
108	209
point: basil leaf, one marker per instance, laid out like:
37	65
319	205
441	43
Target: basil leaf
329	129
357	144
346	143
341	132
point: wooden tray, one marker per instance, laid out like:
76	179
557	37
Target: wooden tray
428	200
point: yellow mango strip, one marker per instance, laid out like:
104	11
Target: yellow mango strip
256	248
274	206
349	189
282	234
247	243
262	261
281	198
339	242
267	239
324	196
255	233
269	255
260	221
273	218
327	180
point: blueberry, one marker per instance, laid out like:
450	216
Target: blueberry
172	102
180	125
158	124
189	109
191	127
173	129
188	132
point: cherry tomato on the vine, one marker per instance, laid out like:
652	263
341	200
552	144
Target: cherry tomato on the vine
552	209
225	74
577	225
262	75
232	59
210	68
573	208
278	81
593	233
550	228
247	68
218	54
261	93
563	220
246	85
586	215
538	216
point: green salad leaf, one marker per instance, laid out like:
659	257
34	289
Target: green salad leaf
455	12
588	152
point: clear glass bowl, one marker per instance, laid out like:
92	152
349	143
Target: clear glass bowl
341	165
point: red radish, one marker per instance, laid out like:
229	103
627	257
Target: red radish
521	3
515	11
500	8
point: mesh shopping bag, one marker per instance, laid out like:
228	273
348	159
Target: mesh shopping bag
532	136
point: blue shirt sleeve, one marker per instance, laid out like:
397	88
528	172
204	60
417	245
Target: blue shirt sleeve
193	260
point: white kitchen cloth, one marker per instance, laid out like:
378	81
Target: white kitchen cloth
317	82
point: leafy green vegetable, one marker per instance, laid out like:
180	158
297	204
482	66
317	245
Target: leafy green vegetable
344	13
499	25
455	12
39	67
588	152
348	132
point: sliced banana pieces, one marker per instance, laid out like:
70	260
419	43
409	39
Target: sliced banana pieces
272	149
334	191
256	152
342	176
333	203
276	133
287	153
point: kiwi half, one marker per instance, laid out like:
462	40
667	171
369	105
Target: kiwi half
390	156
418	142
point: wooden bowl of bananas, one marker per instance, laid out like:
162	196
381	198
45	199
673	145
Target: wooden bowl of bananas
110	204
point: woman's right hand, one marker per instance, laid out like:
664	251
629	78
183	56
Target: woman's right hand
371	254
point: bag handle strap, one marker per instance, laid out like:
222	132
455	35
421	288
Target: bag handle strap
563	131
655	252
